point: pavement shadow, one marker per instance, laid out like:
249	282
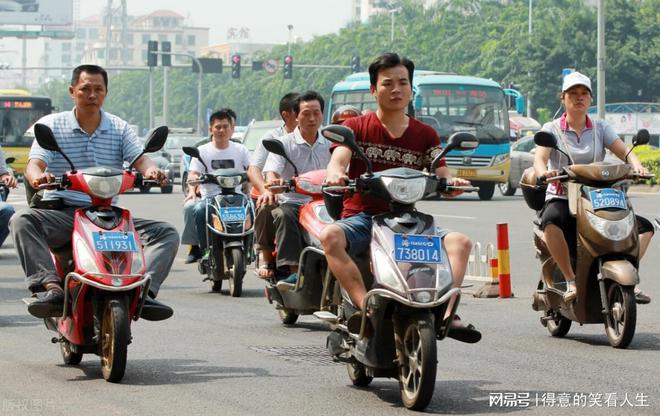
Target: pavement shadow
7	321
158	372
644	341
312	326
460	397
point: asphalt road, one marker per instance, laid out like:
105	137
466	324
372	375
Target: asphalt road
232	356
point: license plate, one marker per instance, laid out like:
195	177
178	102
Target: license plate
467	173
607	198
413	248
114	241
232	214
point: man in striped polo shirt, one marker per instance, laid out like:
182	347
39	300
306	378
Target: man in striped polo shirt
89	137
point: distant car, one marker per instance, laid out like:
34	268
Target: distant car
172	150
256	130
28	5
522	157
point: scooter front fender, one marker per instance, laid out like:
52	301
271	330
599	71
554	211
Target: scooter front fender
621	271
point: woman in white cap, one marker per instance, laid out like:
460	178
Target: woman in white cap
585	140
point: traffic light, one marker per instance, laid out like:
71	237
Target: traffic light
236	66
288	67
166	59
355	64
152	48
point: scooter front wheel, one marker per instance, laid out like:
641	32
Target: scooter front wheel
558	326
287	316
417	357
115	336
358	374
69	357
623	315
237	272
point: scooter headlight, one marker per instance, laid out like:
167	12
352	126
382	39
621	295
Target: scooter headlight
229	181
85	257
405	191
387	272
137	265
103	187
612	230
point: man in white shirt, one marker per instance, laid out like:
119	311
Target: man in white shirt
309	151
220	153
263	225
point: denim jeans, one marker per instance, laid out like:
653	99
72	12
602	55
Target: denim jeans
6	211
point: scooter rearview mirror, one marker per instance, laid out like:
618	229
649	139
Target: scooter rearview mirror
277	147
545	139
344	136
274	146
46	139
156	139
191	151
10	160
460	140
641	138
194	152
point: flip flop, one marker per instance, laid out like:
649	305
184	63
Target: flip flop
467	334
265	271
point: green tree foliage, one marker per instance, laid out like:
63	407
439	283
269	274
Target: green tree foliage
469	37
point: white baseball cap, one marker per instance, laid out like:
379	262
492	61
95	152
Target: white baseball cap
575	78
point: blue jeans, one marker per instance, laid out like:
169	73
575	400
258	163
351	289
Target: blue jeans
200	219
6	211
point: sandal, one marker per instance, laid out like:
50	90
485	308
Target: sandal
265	271
460	332
571	292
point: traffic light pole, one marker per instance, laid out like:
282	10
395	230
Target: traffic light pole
151	98
200	123
166	72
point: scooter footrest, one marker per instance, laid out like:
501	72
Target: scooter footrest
326	316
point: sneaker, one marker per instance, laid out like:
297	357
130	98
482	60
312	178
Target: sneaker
48	305
155	311
194	254
288	283
641	297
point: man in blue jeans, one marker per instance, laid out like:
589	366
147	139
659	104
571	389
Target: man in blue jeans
220	153
6	210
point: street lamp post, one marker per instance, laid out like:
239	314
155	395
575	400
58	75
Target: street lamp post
529	74
290	27
392	11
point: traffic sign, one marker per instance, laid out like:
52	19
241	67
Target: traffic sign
271	66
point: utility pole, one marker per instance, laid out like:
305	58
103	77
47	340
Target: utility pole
600	59
108	33
529	74
290	27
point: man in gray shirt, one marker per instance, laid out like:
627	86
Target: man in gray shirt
264	227
309	151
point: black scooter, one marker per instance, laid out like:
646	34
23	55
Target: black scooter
229	228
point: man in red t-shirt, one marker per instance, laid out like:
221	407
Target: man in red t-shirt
390	139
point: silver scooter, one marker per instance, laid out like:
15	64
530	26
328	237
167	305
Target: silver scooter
408	301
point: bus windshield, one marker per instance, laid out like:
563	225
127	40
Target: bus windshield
17	114
476	109
362	100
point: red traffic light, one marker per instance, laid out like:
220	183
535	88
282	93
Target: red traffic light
288	59
236	59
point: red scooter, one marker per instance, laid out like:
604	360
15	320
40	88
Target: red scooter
105	286
315	289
